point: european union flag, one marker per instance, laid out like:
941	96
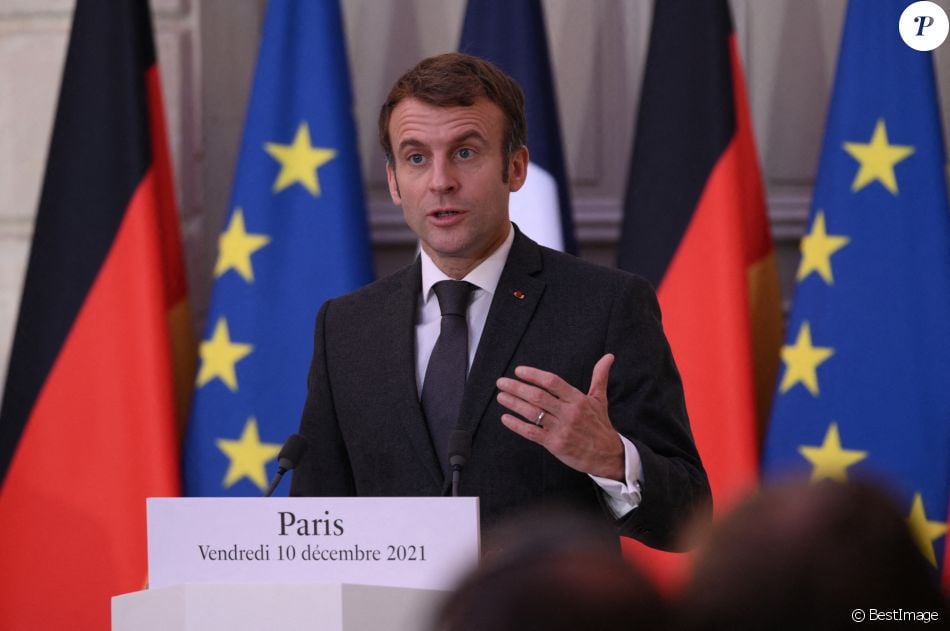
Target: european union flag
865	386
295	235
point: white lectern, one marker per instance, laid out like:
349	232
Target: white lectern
209	607
314	563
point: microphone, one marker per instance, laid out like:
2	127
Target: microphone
287	459
460	448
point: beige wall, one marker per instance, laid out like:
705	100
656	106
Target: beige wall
207	50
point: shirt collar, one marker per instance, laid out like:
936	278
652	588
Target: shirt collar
485	276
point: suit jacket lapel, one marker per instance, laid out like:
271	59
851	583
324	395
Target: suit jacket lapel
399	332
512	308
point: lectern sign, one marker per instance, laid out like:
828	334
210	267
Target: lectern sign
422	542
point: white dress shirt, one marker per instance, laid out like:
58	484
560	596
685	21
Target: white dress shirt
621	496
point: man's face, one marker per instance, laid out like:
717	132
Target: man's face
447	178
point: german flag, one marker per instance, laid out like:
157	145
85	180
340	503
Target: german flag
88	425
695	225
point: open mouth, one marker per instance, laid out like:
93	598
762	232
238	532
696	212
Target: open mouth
446	213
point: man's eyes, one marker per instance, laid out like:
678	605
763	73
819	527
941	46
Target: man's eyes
418	159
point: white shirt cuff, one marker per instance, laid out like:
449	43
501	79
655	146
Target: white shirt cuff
623	497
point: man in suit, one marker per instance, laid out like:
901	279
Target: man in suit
557	370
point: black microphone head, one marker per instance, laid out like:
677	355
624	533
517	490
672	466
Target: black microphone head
291	452
460	447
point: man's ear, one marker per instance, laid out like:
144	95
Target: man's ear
393	184
517	169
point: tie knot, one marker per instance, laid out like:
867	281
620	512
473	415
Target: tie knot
453	296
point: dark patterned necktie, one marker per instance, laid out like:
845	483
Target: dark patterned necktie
448	366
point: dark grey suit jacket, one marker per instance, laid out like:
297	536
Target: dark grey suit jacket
368	435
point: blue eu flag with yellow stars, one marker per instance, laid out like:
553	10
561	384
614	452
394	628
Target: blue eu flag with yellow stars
295	235
864	389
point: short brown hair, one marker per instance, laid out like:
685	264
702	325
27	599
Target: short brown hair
457	79
798	555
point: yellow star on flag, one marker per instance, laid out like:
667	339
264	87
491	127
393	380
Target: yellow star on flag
299	161
802	360
248	455
877	159
218	356
924	531
817	247
830	460
235	247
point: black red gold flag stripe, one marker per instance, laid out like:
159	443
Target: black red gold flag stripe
89	410
695	225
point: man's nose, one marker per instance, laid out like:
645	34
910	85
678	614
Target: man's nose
444	179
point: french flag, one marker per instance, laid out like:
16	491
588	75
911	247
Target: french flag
511	35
